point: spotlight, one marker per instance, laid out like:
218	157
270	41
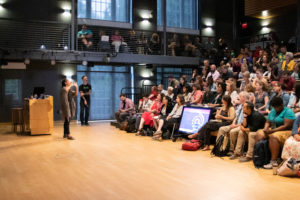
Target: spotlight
27	61
66	48
53	62
84	63
67	12
43	47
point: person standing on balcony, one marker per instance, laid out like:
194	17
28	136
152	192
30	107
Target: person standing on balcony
86	36
85	90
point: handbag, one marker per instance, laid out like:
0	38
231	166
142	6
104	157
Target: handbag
289	167
192	145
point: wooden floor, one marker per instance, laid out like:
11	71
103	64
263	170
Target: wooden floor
105	163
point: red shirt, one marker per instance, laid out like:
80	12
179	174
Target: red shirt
288	84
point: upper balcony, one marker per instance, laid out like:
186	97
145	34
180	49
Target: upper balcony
45	40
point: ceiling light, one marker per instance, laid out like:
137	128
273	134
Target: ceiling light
43	47
67	12
264	13
84	63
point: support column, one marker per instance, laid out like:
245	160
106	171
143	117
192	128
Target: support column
164	8
298	27
73	25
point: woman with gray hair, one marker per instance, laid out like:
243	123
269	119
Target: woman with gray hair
289	63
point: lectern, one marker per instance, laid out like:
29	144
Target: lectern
38	115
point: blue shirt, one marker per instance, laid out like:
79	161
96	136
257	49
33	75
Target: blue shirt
239	114
278	119
84	32
285	98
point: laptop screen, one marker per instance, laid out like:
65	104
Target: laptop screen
193	118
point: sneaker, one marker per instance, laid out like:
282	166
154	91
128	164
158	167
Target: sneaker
245	159
270	165
233	156
230	153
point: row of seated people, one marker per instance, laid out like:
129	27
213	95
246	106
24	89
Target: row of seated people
139	44
239	117
117	43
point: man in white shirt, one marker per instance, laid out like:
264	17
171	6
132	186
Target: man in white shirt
213	73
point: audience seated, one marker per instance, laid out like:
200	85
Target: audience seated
288	64
147	117
126	108
117	41
277	129
231	91
197	95
291	148
154	93
154	45
213	72
132	41
287	81
224	117
174	45
160	89
252	122
173	117
266	85
186	94
261	99
103	43
234	128
166	108
142	44
85	36
278	92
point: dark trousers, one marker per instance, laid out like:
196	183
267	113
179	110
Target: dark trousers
204	132
84	112
121	116
66	127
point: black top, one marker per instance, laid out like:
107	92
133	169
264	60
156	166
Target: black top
255	121
85	89
208	97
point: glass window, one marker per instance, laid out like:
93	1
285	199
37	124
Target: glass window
107	83
81	8
12	91
180	13
112	10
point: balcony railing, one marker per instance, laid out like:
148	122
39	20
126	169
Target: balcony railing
34	35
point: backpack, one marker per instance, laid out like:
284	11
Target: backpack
221	147
261	153
131	125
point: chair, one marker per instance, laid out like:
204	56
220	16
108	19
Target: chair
17	115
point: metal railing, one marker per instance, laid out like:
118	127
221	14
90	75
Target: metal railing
139	42
31	35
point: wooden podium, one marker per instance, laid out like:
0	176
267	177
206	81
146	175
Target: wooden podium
38	116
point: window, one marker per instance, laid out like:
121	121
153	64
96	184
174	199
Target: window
180	13
107	83
12	91
112	10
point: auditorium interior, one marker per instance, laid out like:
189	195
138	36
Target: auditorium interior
203	58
